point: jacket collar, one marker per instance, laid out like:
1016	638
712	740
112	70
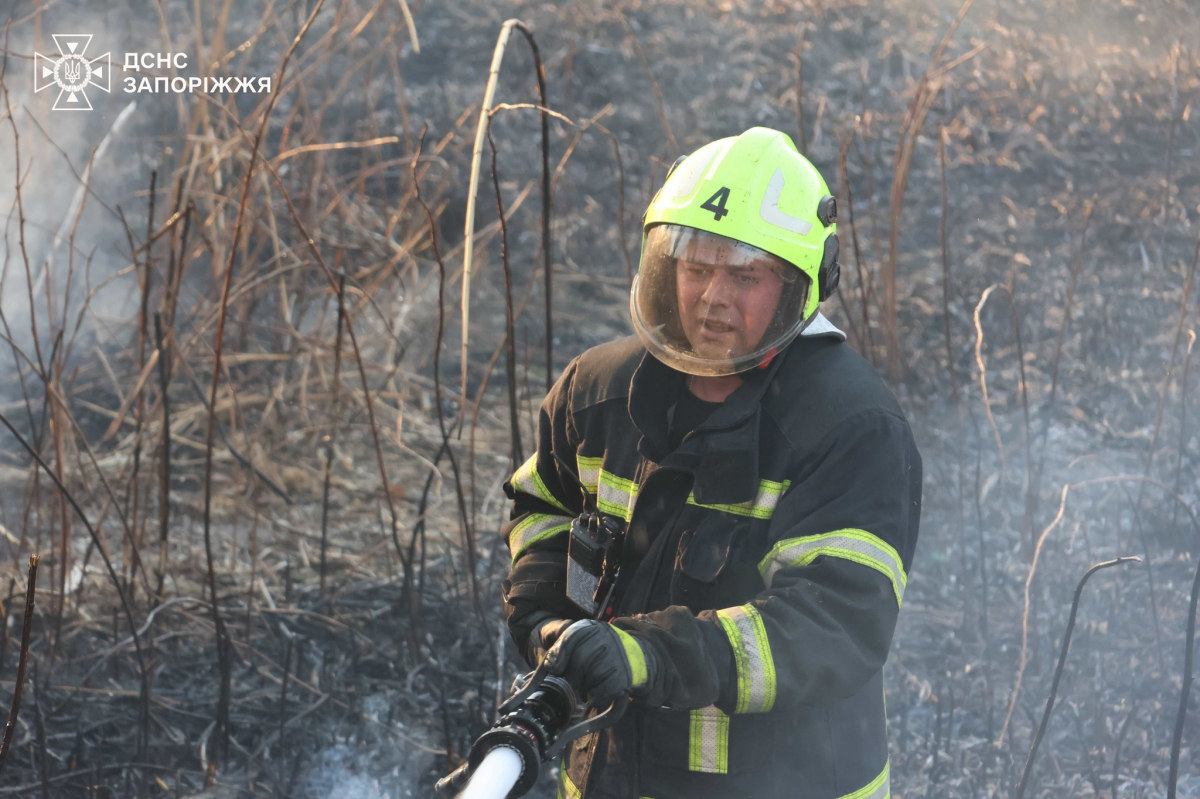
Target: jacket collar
722	453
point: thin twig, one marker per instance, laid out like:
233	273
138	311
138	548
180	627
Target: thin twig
946	268
799	55
1112	786
15	709
238	455
926	93
510	346
1189	651
362	375
164	498
1062	660
112	572
1032	497
468	536
330	438
1037	550
222	719
658	95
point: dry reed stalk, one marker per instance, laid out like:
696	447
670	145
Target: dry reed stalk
473	188
39	734
1076	266
22	662
1012	304
926	92
866	338
222	645
112	573
658	95
1183	409
984	595
330	438
282	713
368	402
1185	690
510	347
1112	785
1058	670
798	53
1141	533
56	440
61	406
1062	506
1173	116
594	121
234	451
467	533
1176	339
958	410
946	268
143	332
1032	497
164	484
620	201
37	347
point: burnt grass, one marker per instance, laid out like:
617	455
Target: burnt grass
1058	116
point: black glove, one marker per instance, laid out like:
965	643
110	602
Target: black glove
600	661
547	627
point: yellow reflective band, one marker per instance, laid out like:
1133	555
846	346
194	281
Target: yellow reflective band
635	656
616	495
752	657
856	545
878	788
708	741
566	788
528	480
761	507
589	472
534	528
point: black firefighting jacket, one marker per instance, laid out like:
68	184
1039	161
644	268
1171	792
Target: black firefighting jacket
766	560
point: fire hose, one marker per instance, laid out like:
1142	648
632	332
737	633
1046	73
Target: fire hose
536	723
535	727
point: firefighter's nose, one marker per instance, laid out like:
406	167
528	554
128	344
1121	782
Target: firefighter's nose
718	290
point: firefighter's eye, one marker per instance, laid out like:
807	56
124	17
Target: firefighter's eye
697	272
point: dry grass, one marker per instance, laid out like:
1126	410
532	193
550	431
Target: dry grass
346	525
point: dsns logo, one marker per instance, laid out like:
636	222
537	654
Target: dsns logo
71	72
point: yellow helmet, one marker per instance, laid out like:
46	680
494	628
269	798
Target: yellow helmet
739	248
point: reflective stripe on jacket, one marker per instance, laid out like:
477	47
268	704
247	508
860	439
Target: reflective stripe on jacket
766	557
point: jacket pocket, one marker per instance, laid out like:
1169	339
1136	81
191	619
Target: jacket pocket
708	741
702	560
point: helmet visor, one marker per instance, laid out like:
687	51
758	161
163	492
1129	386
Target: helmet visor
706	304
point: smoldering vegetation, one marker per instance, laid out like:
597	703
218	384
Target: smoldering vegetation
264	482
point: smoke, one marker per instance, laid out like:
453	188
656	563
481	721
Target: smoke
83	175
366	765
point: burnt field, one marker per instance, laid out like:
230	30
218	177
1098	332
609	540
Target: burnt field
266	490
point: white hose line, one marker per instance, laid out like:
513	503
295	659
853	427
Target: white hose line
495	776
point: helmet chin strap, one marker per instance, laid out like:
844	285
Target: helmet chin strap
767	358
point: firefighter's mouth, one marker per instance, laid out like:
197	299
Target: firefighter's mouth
716	328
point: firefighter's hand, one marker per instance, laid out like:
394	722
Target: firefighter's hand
602	662
545	635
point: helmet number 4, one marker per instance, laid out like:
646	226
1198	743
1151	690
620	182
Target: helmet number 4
716	203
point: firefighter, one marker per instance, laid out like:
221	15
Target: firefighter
770	490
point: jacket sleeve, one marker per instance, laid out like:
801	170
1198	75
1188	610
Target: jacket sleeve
544	504
840	544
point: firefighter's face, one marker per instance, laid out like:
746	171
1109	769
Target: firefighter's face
725	308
